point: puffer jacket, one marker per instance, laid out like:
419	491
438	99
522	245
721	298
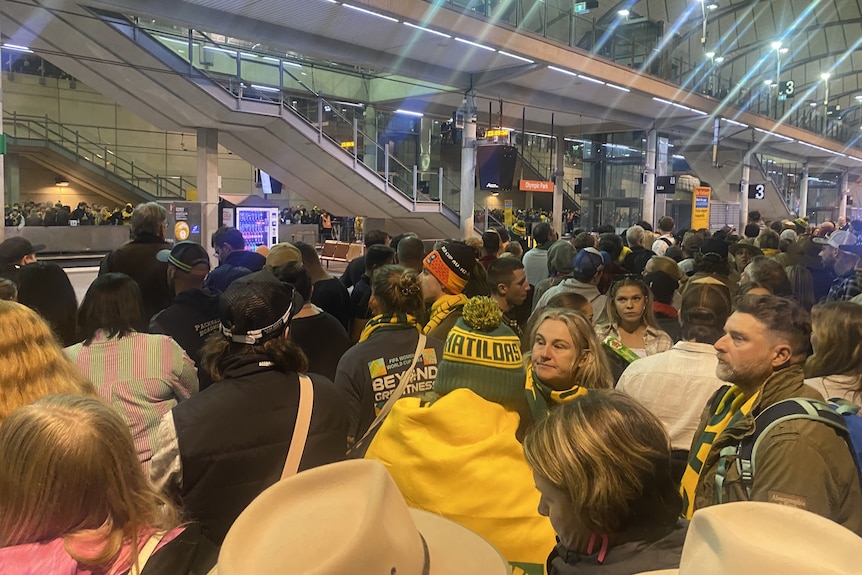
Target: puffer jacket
800	462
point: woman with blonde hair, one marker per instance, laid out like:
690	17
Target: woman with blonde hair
32	363
835	367
565	360
389	341
602	464
631	322
73	498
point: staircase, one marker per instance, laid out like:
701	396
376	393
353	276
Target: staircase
63	150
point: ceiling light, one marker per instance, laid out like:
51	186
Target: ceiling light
370	13
409	113
712	6
719	59
776	45
624	13
767	82
61	182
710	55
825	75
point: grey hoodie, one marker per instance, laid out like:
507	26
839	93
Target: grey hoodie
589	291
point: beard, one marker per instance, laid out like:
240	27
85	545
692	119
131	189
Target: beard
747	375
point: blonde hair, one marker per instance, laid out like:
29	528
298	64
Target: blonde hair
611	456
68	468
590	368
32	363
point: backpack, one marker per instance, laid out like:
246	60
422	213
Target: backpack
839	414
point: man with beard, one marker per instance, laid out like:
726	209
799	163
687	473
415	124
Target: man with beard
800	462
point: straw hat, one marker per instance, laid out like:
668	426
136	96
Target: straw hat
347	518
754	538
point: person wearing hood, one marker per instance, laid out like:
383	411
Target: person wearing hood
560	256
234	260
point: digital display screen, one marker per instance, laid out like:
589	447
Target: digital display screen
268	184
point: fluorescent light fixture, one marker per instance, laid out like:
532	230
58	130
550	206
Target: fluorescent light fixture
588	79
784	51
173	40
624	13
699	112
463	41
265	88
217	49
767	82
516	57
719	59
712	6
776	45
249	55
409	113
678	157
555	69
270	59
351	104
17	48
680	106
615	87
710	55
768	133
665	102
429	30
858	97
370	13
291	64
825	75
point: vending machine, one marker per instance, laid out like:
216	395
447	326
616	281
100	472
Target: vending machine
258	225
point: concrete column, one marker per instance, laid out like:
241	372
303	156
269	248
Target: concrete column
426	126
468	168
370	129
844	185
12	179
207	144
2	166
648	210
558	187
803	192
743	190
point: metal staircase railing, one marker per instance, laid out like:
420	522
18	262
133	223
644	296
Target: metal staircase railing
780	182
250	75
96	156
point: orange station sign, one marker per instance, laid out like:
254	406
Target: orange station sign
536	186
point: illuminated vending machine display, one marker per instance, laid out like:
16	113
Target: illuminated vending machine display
259	226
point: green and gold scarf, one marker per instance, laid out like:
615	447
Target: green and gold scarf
384	322
441	309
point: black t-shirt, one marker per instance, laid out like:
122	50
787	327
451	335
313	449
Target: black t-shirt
331	296
323	339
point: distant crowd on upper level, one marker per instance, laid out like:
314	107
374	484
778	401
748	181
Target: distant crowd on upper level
58	214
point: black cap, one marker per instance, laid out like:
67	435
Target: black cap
185	256
14	249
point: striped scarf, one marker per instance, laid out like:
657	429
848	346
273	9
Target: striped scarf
441	309
541	398
384	322
732	407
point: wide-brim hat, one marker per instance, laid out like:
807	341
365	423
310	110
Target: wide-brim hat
756	538
344	518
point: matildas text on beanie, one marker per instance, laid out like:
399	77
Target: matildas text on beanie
482	355
451	265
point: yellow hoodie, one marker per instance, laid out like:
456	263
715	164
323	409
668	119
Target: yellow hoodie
458	457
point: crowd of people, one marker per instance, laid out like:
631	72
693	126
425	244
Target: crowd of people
596	403
58	214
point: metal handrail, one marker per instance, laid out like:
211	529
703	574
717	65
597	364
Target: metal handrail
276	83
46	129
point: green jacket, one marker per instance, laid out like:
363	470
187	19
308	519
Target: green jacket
801	463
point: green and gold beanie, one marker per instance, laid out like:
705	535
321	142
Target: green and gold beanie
482	355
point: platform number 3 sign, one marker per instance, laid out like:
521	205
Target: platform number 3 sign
756	191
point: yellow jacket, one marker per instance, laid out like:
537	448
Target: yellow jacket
458	457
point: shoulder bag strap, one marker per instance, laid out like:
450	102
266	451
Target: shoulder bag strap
300	430
398	391
146	552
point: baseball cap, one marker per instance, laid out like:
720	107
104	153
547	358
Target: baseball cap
588	262
714	246
185	256
837	239
706	304
17	247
